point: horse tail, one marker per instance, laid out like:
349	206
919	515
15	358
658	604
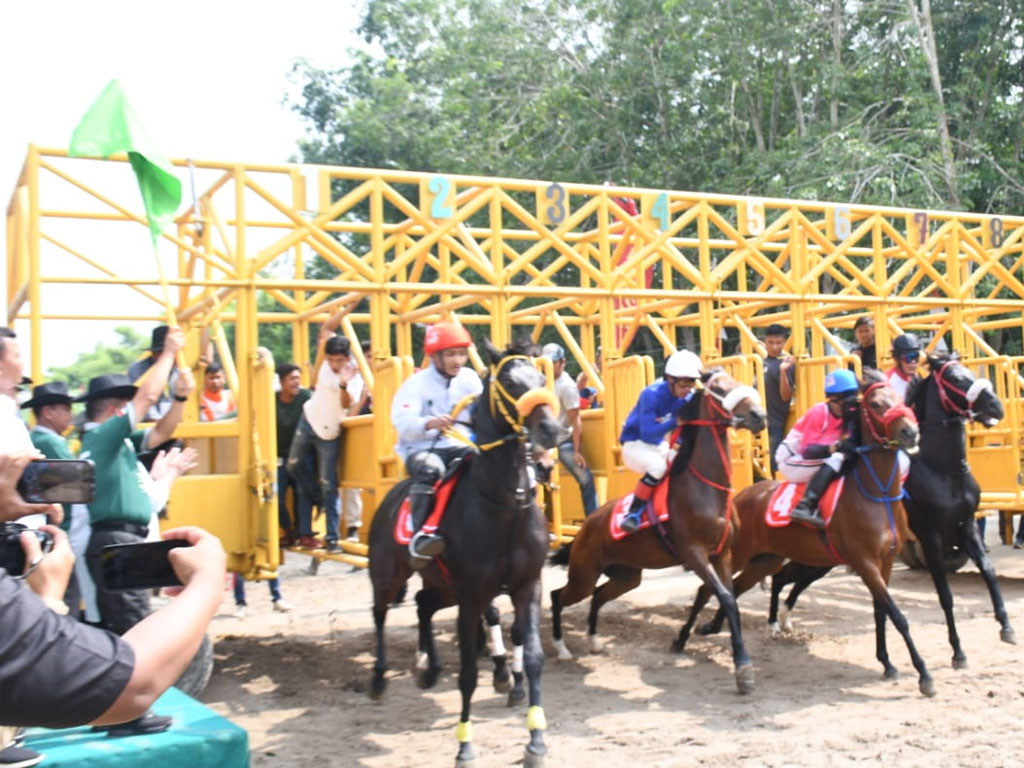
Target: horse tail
561	555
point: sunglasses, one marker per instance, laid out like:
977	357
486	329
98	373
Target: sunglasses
911	357
673	380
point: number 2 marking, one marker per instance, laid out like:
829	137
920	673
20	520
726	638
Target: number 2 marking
439	208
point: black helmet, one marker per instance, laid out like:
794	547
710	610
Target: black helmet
906	342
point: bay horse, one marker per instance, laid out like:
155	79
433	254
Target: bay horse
698	525
867	529
942	494
496	541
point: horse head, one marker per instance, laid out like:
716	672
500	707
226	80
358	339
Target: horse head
518	402
963	394
739	404
885	419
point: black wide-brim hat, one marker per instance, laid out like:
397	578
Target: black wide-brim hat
50	393
116	385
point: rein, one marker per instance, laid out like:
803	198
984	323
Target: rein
969	395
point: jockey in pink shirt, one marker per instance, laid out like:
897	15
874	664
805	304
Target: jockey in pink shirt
814	450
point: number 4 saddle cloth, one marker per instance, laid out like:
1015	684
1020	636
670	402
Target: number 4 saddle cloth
787	495
659	502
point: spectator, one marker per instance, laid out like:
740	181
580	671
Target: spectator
318	433
278	602
216	402
864	330
139	368
571	428
56	672
51	405
588	392
906	354
779	381
644	435
352	498
121	510
290	400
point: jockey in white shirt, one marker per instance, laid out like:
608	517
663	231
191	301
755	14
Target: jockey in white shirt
421	412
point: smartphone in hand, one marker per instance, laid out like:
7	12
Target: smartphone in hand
58	481
139	566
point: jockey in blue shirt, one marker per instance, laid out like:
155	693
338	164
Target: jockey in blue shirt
644	435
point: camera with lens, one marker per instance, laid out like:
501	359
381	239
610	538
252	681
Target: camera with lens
12	556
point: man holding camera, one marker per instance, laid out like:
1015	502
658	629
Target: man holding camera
58	673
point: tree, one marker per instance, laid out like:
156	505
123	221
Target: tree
104	358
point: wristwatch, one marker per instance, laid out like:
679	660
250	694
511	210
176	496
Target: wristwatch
180	399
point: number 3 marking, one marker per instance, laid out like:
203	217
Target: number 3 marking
555	193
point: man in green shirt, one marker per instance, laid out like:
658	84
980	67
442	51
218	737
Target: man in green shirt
121	509
290	399
51	405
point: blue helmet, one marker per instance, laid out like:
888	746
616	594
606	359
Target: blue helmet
840	382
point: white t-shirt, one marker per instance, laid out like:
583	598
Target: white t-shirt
14	438
323	410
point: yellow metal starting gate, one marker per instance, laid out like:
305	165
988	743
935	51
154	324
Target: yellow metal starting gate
588	266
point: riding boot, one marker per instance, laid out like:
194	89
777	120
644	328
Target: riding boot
806	510
641	495
424	546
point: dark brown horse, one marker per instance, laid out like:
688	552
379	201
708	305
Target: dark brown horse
867	530
496	538
698	524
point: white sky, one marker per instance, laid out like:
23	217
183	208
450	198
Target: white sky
207	80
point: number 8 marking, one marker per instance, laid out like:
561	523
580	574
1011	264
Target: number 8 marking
996	233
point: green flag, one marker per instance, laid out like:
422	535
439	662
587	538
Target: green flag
110	126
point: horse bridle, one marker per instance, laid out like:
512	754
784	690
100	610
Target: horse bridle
970	395
723	405
501	399
900	410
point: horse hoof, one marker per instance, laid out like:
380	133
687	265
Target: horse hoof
533	759
377	687
927	687
774	630
709	628
503	684
515	697
427	678
1008	636
564	654
891	673
745	679
678	646
596	644
465	756
960	663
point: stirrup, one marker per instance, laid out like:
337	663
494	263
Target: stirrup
811	518
631	522
426	546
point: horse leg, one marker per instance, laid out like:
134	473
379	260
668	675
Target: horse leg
501	680
697	561
885	606
580	585
699	601
757	569
388	577
517	694
380	666
805	576
429	601
526	602
621	579
976	551
468	626
931	546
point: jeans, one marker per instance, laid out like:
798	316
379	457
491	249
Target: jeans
239	586
304	444
776	434
300	501
584	477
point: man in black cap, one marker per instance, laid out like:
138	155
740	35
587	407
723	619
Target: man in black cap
121	509
139	368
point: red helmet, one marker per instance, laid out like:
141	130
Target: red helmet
441	336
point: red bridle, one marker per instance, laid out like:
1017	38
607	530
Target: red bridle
945	387
900	410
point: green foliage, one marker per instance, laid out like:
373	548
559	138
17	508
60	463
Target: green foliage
813	99
104	358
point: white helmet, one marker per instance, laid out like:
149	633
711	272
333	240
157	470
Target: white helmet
683	365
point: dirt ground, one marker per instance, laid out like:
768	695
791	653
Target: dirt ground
297	681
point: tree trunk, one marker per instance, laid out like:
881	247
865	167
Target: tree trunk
926	36
837	61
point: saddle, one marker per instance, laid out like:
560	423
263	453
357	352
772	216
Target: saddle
659	501
787	495
442	493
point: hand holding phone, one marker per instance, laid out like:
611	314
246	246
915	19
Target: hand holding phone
58	481
145	565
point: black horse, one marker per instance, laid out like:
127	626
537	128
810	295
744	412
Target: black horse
942	494
497	539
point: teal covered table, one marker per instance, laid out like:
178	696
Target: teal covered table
199	738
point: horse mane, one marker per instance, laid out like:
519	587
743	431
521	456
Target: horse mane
937	359
871	376
522	346
689	412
